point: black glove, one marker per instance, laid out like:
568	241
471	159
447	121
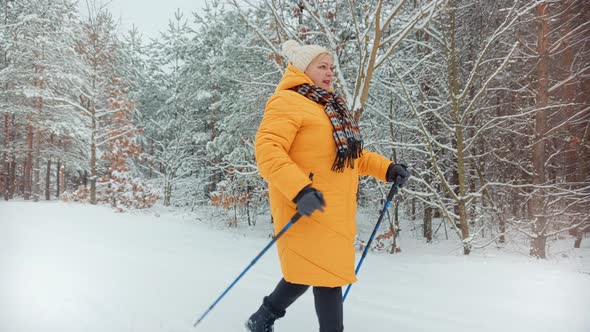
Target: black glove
308	200
398	173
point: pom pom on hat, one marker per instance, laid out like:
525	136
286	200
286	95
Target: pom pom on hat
301	55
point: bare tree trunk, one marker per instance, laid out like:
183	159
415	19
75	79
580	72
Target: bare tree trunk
579	235
112	194
48	177
425	86
22	182
213	177
5	163
78	181
57	179
12	176
571	157
27	175
540	223
93	157
453	73
48	181
150	163
502	225
62	176
394	229
428	223
37	168
167	190
569	97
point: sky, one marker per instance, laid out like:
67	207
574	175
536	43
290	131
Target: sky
151	17
71	267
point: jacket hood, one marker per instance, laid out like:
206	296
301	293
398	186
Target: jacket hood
293	76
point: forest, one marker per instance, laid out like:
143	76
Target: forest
487	102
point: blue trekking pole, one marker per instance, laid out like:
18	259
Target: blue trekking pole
392	193
274	239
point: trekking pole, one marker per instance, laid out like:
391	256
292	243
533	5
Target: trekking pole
274	239
390	195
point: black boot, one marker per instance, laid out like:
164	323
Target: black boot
263	320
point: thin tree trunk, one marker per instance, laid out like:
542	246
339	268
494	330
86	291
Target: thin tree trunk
425	86
539	241
150	162
37	168
248	212
63	177
394	229
48	177
77	181
48	181
453	73
428	223
579	235
213	178
112	193
167	190
12	176
20	186
5	163
93	158
568	98
27	174
502	225
57	179
364	78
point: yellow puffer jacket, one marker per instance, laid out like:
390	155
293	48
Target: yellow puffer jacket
294	148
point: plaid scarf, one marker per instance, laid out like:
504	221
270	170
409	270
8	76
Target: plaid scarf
349	143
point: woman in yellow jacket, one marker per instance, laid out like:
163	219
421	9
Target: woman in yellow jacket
309	149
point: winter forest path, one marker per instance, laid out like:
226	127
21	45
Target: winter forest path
72	267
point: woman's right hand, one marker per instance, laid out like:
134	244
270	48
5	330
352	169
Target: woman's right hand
308	200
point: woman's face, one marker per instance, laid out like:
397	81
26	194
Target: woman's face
320	70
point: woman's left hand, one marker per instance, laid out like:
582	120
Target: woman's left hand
398	173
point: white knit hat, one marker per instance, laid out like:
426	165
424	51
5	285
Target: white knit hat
302	55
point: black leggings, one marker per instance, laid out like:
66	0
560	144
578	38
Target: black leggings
328	303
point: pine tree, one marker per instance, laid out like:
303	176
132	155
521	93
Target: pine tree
169	122
38	63
97	46
122	188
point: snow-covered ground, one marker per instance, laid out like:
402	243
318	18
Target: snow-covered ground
72	267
